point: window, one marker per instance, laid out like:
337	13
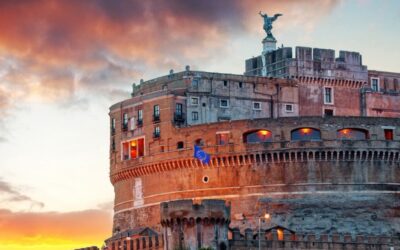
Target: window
179	116
224	103
179	145
375	84
388	134
156	133
352	134
222	138
240	84
289	107
140	118
195	116
261	135
113	144
194	101
305	134
125	121
112	125
133	149
132	123
328	95
195	83
156	113
178	109
225	83
256	105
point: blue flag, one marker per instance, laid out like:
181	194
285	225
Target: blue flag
201	155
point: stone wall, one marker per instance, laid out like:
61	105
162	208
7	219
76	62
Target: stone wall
288	240
192	226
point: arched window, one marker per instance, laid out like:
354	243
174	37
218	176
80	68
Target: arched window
179	145
352	134
261	135
305	134
199	142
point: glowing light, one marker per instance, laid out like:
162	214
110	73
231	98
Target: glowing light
133	143
267	216
345	131
263	132
305	130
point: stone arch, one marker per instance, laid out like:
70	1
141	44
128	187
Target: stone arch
257	136
305	134
352	134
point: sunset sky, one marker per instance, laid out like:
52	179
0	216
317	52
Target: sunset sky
64	62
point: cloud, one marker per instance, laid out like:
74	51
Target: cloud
11	195
53	50
107	206
54	228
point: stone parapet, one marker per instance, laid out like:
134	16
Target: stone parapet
288	240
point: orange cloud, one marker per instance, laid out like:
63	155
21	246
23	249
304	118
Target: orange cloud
58	45
52	230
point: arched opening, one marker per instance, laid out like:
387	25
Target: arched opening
305	134
352	134
255	136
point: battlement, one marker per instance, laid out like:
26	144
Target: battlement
185	211
280	238
309	62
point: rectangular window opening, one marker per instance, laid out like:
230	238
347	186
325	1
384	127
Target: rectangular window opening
257	105
125	121
223	138
194	101
140	118
328	95
289	107
375	84
133	149
388	134
195	116
224	103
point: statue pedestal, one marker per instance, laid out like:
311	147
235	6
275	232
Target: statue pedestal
269	44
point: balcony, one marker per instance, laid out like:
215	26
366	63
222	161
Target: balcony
124	126
179	118
139	123
156	118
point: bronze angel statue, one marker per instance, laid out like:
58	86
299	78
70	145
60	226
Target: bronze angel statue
268	22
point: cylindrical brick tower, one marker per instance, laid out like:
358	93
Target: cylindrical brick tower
310	174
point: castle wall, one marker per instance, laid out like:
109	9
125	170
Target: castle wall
292	180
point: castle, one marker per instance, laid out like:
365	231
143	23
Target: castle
304	153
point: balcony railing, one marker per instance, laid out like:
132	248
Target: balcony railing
179	117
156	118
139	123
124	126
